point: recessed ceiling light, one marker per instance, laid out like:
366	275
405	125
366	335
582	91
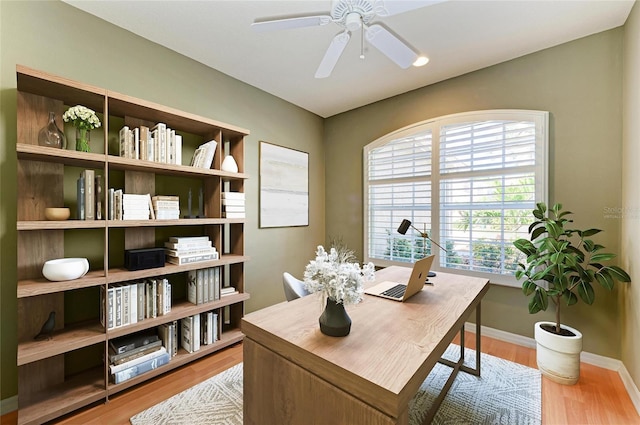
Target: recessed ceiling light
421	61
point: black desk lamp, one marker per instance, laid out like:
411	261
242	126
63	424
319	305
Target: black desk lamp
404	226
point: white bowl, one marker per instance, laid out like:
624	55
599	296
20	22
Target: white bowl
65	269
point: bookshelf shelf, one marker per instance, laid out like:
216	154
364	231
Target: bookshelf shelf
62	156
180	222
44	175
61	342
41	286
178	310
79	391
228	338
118	275
60	225
118	163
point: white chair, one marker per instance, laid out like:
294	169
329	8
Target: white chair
293	288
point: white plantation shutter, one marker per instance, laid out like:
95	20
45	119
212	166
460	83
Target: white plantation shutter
399	187
470	180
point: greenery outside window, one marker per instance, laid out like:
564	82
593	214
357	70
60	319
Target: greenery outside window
469	180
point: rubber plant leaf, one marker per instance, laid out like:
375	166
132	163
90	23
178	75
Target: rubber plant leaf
585	290
618	273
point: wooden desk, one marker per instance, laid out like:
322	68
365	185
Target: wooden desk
293	374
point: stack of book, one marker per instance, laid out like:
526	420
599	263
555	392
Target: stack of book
233	204
166	207
89	196
129	303
197	330
203	285
158	144
135	354
190	249
203	156
128	206
168	333
136	207
228	290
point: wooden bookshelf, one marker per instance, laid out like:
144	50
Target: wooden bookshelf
45	389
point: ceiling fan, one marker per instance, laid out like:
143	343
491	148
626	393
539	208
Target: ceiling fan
352	15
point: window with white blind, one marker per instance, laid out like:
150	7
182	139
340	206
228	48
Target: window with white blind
470	181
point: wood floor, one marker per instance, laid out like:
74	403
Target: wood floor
598	398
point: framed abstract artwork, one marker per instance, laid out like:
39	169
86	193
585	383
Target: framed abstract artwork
284	186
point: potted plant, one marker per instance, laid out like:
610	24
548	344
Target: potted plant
562	264
338	277
84	120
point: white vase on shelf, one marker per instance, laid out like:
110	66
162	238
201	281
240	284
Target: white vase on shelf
229	164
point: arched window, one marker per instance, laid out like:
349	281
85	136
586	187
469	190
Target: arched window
469	180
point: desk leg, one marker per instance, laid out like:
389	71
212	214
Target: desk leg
456	366
467	369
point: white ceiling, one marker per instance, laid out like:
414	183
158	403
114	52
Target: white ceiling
458	37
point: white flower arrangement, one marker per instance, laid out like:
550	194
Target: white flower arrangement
81	117
336	275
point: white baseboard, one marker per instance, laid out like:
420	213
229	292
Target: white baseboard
516	339
585	357
631	387
8	405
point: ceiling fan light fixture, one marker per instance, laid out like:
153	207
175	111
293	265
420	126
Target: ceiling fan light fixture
353	21
353	15
421	61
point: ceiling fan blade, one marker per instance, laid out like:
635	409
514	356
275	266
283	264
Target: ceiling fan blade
289	23
332	55
394	7
391	46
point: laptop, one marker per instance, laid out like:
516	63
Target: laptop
400	291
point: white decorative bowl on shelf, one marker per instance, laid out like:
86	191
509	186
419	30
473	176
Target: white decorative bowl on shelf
65	269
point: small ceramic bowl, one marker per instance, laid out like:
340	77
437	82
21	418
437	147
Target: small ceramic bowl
65	269
57	213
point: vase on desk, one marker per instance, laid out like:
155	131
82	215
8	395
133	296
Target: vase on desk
334	320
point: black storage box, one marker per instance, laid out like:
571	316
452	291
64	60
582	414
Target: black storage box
145	258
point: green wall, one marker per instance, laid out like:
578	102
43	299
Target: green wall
59	39
579	83
630	296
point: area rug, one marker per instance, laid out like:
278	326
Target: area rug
506	393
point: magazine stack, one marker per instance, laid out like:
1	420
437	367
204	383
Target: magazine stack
182	250
135	354
166	207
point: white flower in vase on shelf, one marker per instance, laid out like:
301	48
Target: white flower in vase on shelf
337	276
84	120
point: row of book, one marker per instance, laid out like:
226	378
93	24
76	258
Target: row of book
161	144
203	285
198	330
130	303
135	354
233	204
89	196
132	355
189	249
158	144
130	206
